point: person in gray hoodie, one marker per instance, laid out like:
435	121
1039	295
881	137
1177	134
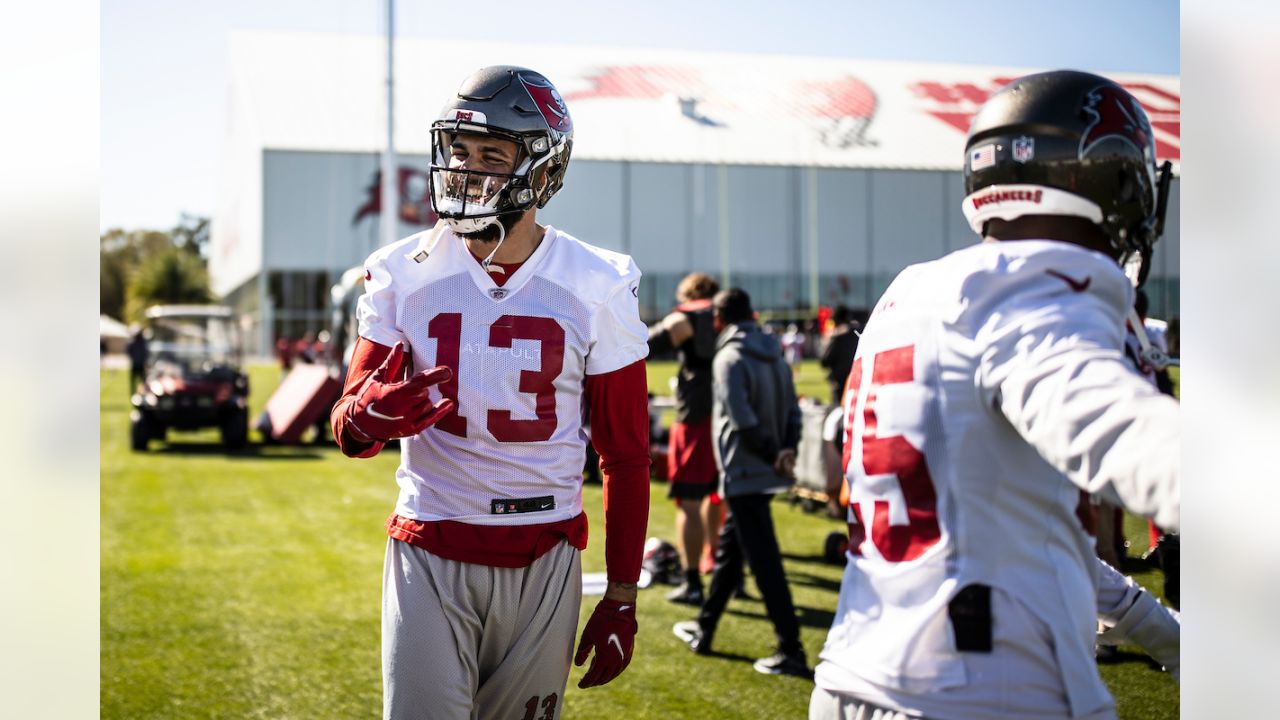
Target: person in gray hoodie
756	422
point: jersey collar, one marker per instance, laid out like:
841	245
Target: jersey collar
482	279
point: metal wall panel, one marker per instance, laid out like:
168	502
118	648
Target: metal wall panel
658	209
907	222
590	205
311	200
843	234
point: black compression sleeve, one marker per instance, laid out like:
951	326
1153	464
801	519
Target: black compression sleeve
659	340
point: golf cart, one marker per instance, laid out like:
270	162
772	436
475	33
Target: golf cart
193	378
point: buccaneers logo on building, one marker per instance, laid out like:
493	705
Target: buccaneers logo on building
415	205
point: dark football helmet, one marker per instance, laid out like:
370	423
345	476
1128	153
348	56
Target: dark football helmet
515	104
1069	143
662	561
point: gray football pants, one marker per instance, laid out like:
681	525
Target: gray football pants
474	642
826	705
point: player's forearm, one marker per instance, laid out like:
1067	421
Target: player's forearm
626	519
620	434
1106	428
622	591
365	358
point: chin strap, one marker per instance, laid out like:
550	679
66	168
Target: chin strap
432	241
1150	353
502	235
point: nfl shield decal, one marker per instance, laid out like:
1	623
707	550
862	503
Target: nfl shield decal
1024	149
498	293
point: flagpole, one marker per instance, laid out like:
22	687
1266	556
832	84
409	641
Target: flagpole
390	210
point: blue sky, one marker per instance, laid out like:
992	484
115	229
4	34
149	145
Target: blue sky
164	63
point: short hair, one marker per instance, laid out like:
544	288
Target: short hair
841	315
733	305
696	286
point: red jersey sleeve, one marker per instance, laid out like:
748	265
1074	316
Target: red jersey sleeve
619	404
365	358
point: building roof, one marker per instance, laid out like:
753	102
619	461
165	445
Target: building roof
325	92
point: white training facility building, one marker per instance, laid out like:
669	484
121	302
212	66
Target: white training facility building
807	181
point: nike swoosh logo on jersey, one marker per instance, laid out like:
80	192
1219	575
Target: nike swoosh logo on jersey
613	638
380	416
1076	285
623	607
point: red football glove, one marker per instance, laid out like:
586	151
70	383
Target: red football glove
384	409
612	632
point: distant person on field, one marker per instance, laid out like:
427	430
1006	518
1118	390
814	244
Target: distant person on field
837	354
793	346
756	422
284	353
137	352
691	467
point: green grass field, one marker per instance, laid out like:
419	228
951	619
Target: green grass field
247	586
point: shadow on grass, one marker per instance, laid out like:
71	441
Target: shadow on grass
813	558
253	451
813	581
819	618
1124	657
716	654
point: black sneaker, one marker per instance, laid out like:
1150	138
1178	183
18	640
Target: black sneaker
783	664
691	633
1104	653
687	594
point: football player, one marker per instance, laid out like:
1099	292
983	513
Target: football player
691	463
989	391
481	342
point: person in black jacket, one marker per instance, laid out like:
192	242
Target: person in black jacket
138	352
691	469
837	356
756	424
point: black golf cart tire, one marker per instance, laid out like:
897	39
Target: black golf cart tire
140	434
235	430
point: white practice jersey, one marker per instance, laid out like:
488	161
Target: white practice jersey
989	389
519	354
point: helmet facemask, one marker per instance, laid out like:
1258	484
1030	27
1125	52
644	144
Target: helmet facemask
472	200
1136	254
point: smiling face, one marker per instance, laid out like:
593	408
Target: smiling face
488	163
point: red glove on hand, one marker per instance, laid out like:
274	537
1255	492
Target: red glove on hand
384	409
612	632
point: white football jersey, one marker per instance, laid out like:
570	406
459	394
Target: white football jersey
989	389
513	452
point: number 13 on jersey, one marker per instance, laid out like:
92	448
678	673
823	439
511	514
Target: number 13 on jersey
887	455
